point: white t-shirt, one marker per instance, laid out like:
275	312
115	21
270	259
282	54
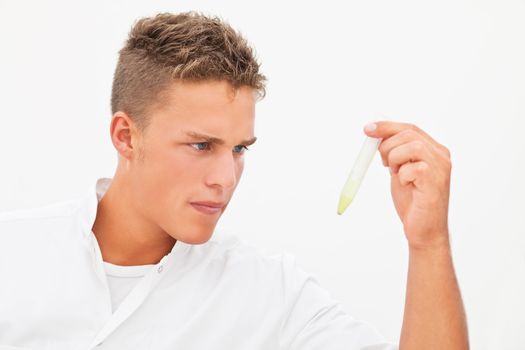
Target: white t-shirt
222	294
122	279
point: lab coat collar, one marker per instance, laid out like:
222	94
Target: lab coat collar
89	204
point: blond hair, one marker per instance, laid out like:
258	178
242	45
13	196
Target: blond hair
187	46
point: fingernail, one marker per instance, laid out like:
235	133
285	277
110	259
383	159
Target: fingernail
370	127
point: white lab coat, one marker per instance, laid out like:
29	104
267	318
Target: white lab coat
223	294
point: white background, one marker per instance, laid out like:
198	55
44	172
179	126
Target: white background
454	68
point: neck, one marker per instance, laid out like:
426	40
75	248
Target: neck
124	235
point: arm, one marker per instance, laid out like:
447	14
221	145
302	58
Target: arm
434	317
420	170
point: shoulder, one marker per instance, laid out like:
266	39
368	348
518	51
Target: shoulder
57	209
235	252
231	245
32	220
283	267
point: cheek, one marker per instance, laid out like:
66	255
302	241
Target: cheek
180	172
167	176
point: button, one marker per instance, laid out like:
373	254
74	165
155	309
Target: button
160	268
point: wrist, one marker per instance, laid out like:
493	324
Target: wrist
431	257
439	244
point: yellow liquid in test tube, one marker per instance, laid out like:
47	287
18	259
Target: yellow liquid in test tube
355	178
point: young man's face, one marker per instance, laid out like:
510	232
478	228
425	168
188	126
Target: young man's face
181	168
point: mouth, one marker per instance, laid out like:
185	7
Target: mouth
209	208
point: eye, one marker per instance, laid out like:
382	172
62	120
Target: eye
201	146
240	149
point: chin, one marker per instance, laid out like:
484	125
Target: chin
199	236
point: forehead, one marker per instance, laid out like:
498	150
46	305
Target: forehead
207	105
206	94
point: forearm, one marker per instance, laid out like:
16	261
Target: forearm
434	316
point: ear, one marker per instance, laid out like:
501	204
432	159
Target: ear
124	135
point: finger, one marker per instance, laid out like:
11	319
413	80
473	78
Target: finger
412	151
397	140
413	173
387	129
402	137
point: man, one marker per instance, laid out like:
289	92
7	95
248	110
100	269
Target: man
133	264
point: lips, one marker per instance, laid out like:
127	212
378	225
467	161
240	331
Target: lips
208	207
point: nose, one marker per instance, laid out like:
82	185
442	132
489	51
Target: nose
222	172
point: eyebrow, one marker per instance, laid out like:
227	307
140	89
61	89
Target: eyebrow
212	139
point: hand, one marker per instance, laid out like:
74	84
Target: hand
420	171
